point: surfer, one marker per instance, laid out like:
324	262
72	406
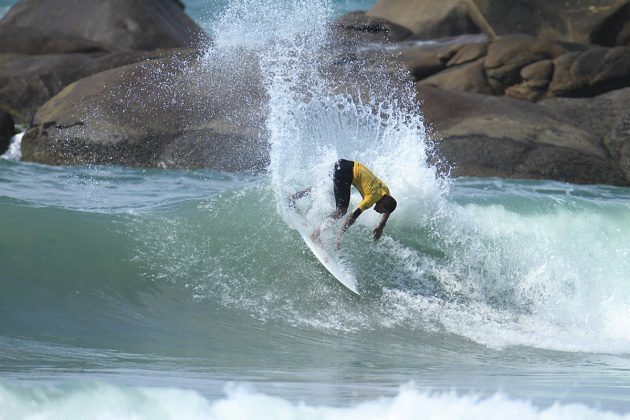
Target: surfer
374	192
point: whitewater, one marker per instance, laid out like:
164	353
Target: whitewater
146	293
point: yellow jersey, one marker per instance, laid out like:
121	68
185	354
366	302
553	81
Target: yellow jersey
369	186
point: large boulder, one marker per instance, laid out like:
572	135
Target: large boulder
7	130
174	111
518	66
428	18
564	20
606	116
47	44
33	41
483	135
116	24
508	55
469	77
28	81
591	72
605	22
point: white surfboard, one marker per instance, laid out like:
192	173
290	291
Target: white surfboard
328	260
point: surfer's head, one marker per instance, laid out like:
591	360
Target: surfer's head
387	204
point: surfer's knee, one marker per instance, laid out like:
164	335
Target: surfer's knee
340	212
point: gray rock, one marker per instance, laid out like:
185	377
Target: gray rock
604	22
47	44
421	62
167	112
28	81
615	29
427	19
484	135
116	24
567	20
508	55
33	41
536	78
607	116
591	72
468	77
370	28
467	53
7	130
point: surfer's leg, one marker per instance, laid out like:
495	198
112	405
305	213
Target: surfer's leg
342	181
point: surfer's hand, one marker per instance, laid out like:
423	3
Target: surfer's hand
315	236
377	233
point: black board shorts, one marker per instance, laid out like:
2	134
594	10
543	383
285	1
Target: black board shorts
342	181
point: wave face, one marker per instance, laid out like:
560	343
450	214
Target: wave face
96	256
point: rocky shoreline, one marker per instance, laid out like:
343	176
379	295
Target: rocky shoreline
537	92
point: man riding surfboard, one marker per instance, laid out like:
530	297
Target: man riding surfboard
374	192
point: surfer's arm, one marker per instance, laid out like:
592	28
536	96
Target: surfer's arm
346	224
379	229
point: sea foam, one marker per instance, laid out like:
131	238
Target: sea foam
100	401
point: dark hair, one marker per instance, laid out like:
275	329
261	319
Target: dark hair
389	204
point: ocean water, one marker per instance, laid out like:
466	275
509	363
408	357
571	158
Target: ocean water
146	293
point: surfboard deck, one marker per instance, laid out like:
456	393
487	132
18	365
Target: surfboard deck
328	260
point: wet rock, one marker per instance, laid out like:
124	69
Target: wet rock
421	62
116	24
483	135
467	53
468	77
570	21
33	41
614	29
167	112
591	72
371	28
47	44
428	19
28	81
426	59
508	55
536	78
604	22
7	130
607	116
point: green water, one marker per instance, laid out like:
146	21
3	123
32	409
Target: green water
192	279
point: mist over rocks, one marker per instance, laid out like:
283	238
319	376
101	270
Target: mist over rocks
29	81
171	111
